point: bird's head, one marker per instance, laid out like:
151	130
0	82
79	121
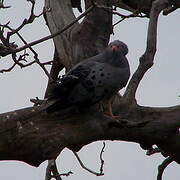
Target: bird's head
118	47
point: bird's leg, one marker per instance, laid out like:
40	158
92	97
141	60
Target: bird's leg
108	110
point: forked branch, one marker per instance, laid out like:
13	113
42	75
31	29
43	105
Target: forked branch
89	170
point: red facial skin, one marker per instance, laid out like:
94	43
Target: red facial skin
115	48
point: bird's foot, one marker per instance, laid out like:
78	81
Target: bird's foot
111	115
115	117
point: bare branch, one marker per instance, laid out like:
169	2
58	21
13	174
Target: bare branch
49	36
169	10
68	128
153	151
102	161
52	167
163	166
146	60
134	14
113	11
87	169
30	20
21	58
63	174
122	5
8	69
37	101
42	65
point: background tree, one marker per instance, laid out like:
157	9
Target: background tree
28	128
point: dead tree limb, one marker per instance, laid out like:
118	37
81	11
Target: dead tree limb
33	136
146	60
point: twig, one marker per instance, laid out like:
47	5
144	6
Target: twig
15	50
101	159
17	61
118	22
37	101
84	167
169	10
153	151
163	166
8	69
42	65
22	57
146	61
63	174
111	10
31	19
134	14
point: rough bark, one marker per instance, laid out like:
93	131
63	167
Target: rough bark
33	136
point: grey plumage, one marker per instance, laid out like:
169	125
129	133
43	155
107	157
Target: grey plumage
94	79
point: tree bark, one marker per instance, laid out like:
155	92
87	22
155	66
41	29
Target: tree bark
33	136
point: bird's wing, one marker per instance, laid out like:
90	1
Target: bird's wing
67	82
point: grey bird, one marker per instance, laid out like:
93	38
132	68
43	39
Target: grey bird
93	80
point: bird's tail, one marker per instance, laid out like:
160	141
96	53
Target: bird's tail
56	106
52	108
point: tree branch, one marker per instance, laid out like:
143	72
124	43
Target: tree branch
84	167
146	60
48	134
89	170
92	35
49	36
30	130
163	166
52	168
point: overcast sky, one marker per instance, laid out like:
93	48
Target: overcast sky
160	87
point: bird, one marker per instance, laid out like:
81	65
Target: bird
92	80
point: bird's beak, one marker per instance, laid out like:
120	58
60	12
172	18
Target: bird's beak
114	48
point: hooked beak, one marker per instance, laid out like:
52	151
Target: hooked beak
114	48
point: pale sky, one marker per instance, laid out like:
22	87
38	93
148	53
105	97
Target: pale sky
160	87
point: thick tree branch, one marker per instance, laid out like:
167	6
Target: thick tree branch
33	136
93	34
146	61
47	134
54	73
76	43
